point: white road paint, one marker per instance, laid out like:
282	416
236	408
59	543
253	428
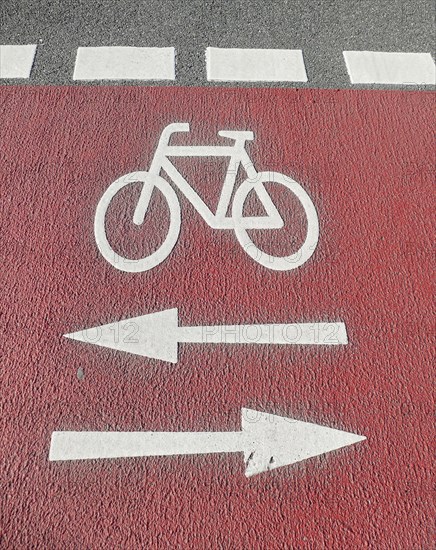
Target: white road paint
267	441
124	63
255	65
16	61
390	68
238	157
157	335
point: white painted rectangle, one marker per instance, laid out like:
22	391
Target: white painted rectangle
124	63
404	68
16	61
255	65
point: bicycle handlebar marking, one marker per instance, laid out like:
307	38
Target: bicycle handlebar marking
237	221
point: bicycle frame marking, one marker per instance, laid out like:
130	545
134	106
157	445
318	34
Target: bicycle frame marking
238	157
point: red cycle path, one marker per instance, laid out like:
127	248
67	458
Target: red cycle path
365	158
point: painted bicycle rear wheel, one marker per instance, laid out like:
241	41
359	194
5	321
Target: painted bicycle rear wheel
277	263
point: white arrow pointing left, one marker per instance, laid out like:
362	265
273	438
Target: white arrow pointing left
267	441
157	335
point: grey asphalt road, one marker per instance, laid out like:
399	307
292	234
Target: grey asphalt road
321	28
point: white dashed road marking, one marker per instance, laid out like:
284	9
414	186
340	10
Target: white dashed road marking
225	65
253	65
125	63
16	61
390	68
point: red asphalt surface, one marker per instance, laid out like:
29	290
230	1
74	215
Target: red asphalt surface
365	158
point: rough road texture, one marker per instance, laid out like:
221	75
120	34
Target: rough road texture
365	158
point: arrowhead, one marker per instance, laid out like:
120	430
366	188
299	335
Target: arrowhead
153	335
273	441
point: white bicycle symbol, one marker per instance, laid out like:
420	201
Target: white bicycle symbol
238	222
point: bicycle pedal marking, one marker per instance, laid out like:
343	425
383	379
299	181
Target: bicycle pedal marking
219	220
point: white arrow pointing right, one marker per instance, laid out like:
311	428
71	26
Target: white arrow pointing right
268	441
